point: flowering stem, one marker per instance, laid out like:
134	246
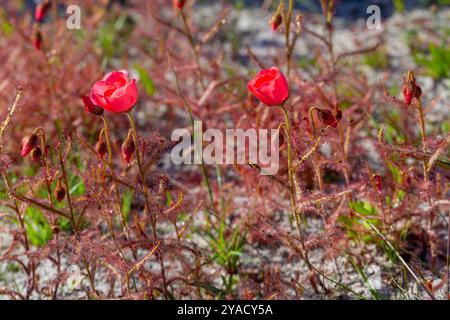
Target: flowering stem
423	137
72	217
191	119
287	20
9	116
192	43
111	166
316	154
147	200
287	124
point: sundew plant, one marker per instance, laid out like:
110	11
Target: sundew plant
93	205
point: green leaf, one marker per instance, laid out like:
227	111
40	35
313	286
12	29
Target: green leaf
37	227
396	174
77	184
363	207
126	204
146	81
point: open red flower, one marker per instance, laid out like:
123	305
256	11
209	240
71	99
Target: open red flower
41	10
115	92
270	87
179	4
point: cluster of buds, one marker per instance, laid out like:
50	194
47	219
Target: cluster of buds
410	88
60	192
277	18
41	10
179	4
90	107
128	147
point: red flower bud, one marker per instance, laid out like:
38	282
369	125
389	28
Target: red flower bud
377	181
276	21
41	10
101	148
91	107
270	87
60	193
326	117
410	89
37	40
179	4
28	144
338	115
36	154
128	148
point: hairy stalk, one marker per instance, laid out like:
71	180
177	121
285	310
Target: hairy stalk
107	136
292	191
73	219
23	230
423	138
316	153
9	116
147	200
193	47
191	119
289	48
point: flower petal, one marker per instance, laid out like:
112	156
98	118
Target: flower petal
117	78
123	99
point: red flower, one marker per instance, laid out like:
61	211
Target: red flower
270	87
179	4
90	107
115	92
41	10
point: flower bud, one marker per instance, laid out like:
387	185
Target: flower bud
338	115
60	192
36	154
90	107
179	4
41	10
377	181
276	21
410	89
128	148
326	117
37	40
28	144
101	148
